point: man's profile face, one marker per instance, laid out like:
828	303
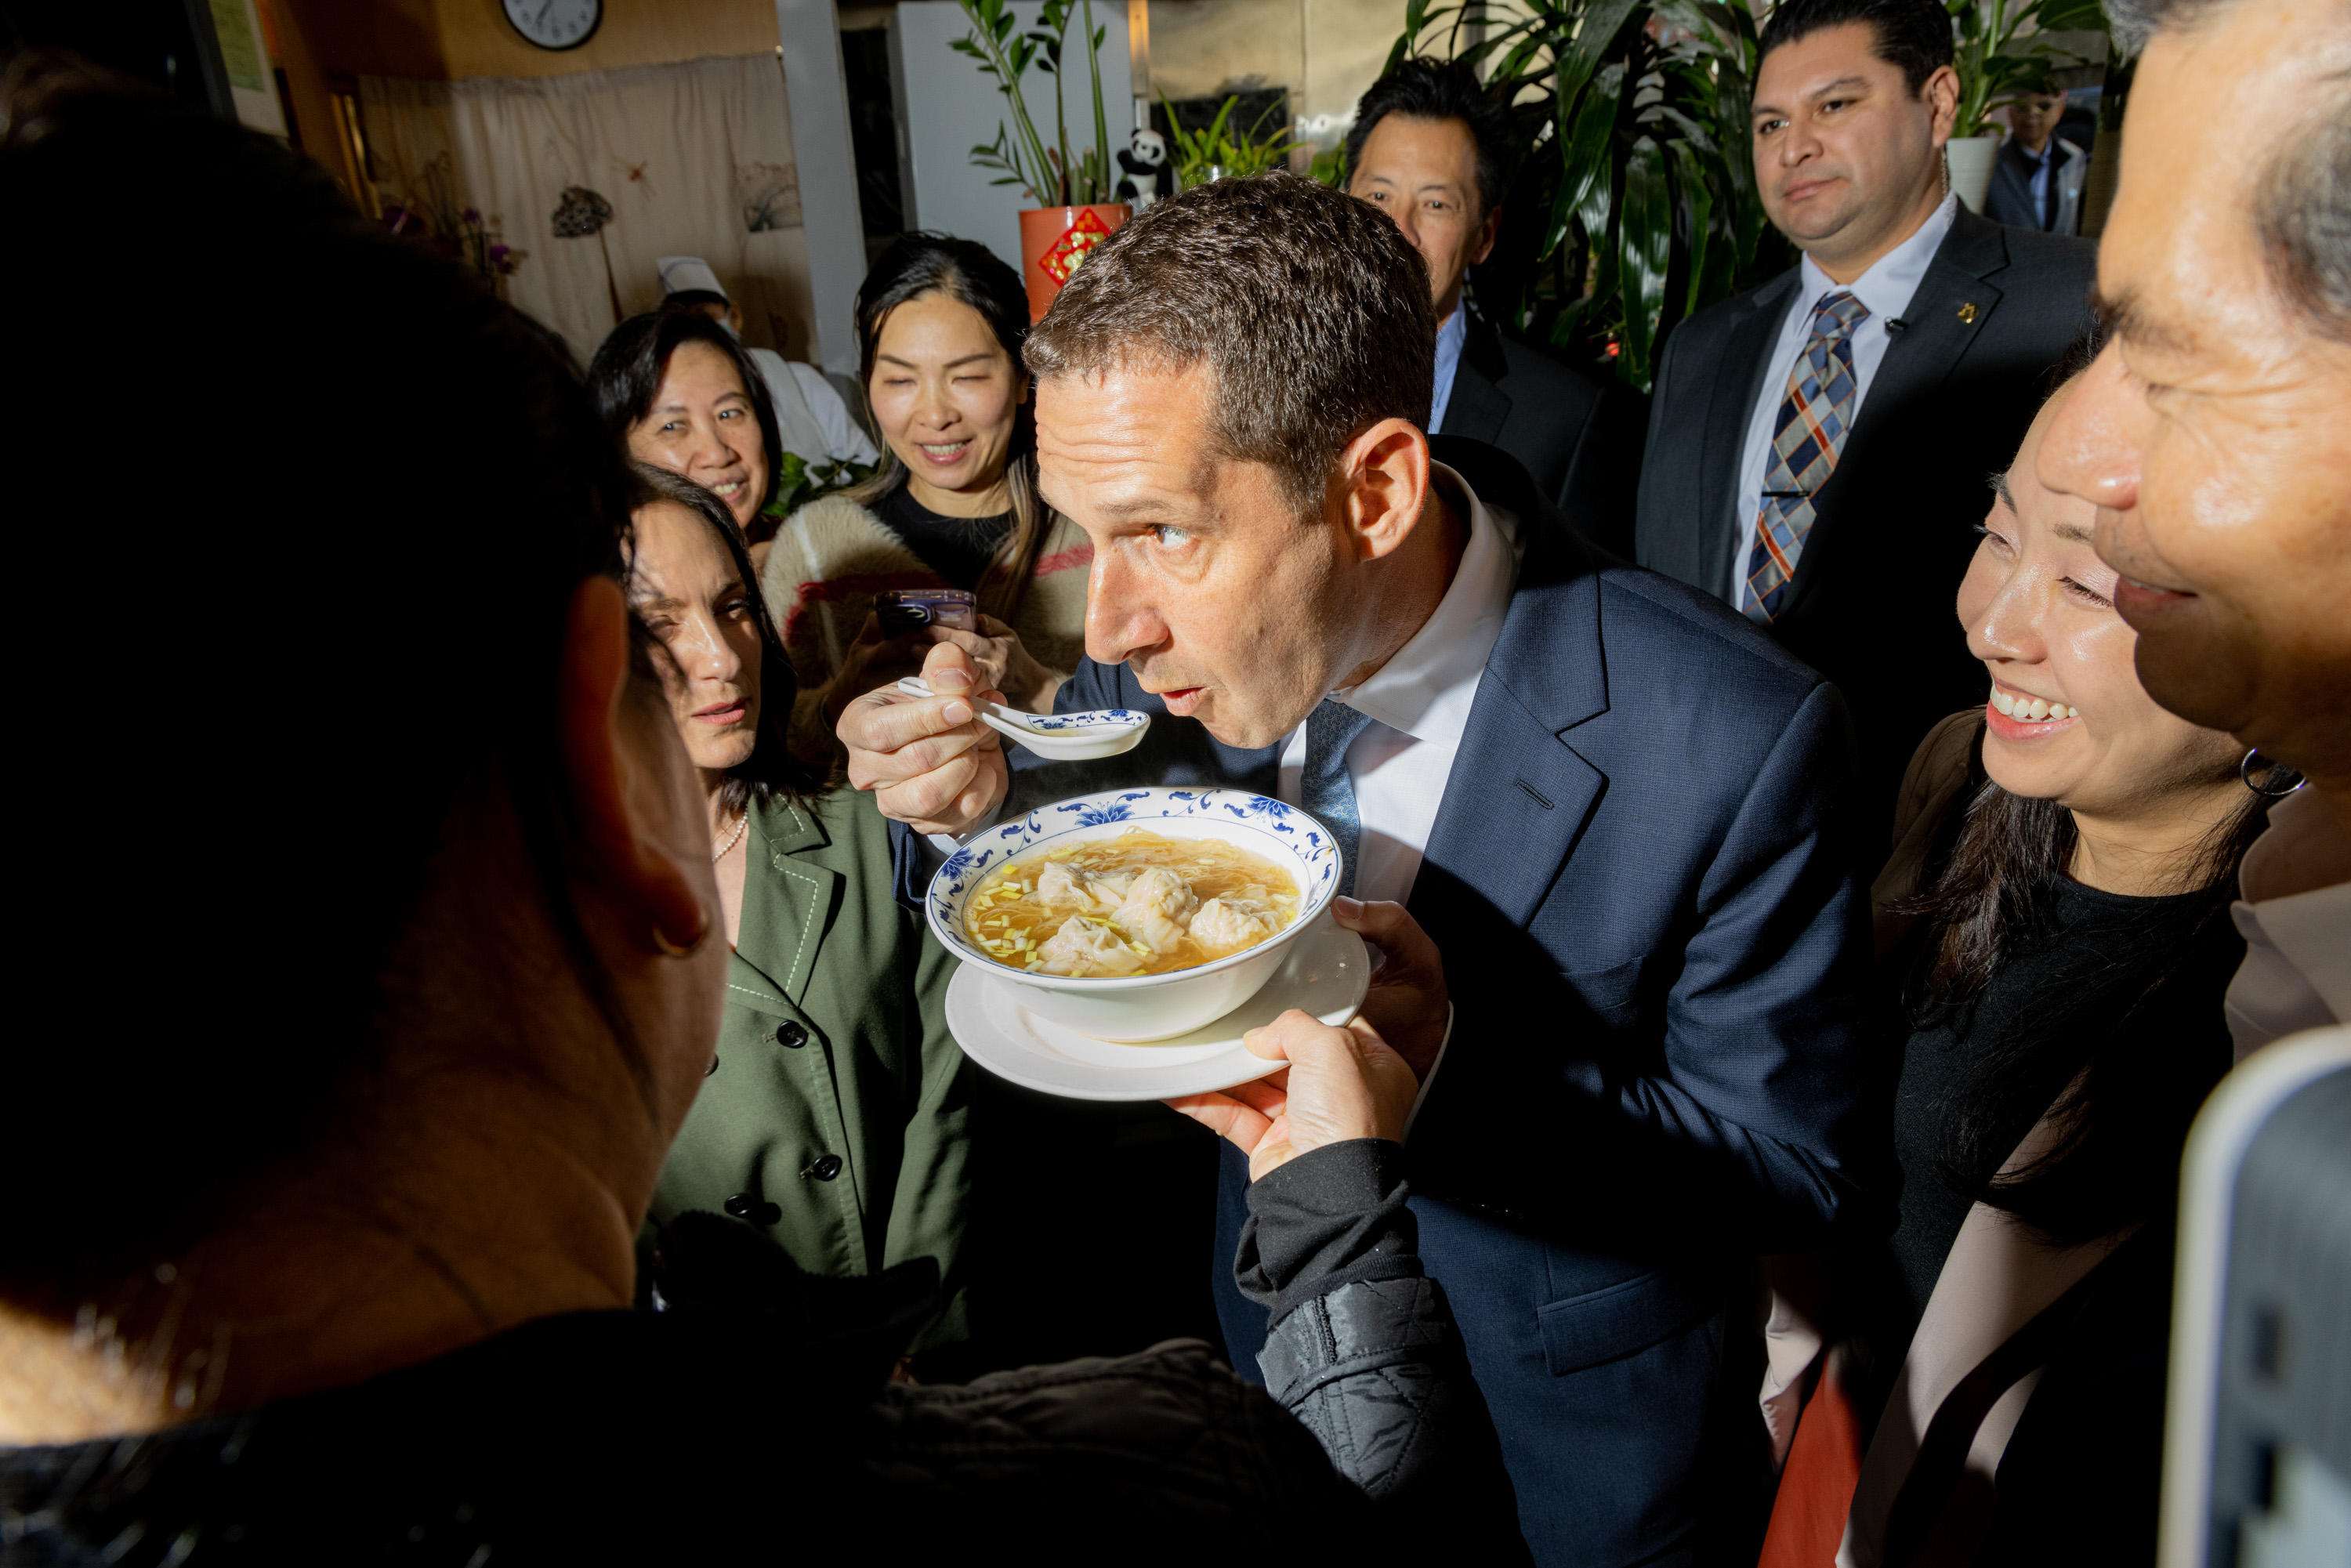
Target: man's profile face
2211	434
1424	174
1844	149
1205	582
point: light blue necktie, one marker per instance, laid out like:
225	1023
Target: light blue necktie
1324	789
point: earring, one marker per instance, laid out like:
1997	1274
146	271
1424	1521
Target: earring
670	949
2275	770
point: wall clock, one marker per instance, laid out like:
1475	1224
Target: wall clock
556	23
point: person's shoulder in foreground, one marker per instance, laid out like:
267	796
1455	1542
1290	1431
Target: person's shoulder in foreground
618	1436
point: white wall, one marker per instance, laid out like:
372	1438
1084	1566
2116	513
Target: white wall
949	106
809	53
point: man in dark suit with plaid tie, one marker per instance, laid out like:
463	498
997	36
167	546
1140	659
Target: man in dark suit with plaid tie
1818	447
1615	807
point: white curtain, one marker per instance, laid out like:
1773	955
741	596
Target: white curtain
692	159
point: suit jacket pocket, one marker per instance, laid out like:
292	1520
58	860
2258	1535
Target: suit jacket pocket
1622	1319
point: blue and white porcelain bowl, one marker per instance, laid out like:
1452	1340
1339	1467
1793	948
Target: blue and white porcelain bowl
1135	1008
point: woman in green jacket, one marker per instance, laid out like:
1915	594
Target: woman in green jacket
834	1118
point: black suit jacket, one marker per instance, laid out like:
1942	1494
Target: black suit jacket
1872	604
1576	439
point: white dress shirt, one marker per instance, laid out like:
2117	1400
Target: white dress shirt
1886	289
1450	338
1419	703
2297	969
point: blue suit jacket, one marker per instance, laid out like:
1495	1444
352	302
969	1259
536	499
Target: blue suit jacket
1656	953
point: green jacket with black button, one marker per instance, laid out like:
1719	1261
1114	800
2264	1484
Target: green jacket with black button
835	1117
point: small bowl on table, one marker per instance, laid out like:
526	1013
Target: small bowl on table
1133	1009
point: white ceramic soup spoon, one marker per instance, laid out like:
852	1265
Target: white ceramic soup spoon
1062	737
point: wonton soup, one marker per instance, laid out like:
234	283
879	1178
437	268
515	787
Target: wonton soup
1136	904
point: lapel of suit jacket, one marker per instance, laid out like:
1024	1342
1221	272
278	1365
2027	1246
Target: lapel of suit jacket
1478	405
1918	358
1730	405
788	901
1518	796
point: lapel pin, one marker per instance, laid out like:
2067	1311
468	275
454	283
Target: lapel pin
1968	314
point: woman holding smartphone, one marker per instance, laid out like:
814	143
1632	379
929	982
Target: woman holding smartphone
940	322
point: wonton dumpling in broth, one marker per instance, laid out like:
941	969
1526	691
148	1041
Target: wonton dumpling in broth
1073	887
1235	921
1156	909
1138	903
1084	946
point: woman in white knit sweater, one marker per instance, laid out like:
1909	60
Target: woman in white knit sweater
940	323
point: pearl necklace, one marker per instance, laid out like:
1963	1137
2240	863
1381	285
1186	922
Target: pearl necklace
741	822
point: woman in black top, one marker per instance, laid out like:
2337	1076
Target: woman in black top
940	326
2056	920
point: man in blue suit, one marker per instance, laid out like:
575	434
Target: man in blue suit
1613	804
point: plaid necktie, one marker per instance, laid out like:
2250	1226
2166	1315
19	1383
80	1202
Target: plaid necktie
1325	789
1813	418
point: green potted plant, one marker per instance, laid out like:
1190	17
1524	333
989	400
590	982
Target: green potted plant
1071	190
1218	150
1999	61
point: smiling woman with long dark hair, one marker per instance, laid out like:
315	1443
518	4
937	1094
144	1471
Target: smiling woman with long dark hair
2056	922
940	322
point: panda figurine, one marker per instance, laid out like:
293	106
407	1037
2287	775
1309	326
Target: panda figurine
1147	174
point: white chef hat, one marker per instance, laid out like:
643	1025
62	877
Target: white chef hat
686	275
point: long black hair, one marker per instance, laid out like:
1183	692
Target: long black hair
2103	1045
626	376
771	766
970	274
2100	1048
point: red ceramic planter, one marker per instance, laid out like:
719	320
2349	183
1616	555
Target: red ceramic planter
1054	241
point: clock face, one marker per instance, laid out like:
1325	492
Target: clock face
556	23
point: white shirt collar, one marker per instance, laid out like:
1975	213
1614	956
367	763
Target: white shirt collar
1891	281
1427	689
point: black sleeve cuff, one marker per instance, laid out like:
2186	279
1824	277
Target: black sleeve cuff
910	877
1325	1218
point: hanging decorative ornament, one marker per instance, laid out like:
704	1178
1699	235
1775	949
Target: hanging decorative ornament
579	212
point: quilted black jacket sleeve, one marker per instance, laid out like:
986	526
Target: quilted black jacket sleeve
1363	1350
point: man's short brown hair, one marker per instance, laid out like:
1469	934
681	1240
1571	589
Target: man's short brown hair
1309	307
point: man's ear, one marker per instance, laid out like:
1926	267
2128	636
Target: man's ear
1942	92
617	791
1387	479
1490	229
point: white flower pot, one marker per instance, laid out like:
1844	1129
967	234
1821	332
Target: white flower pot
1971	164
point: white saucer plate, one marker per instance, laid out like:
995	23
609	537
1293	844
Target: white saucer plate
1326	972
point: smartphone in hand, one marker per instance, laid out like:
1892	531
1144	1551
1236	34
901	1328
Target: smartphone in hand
901	610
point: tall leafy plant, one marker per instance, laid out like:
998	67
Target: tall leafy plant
1635	202
1999	61
1047	171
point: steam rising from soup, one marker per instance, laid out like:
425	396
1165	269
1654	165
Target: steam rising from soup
1136	904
